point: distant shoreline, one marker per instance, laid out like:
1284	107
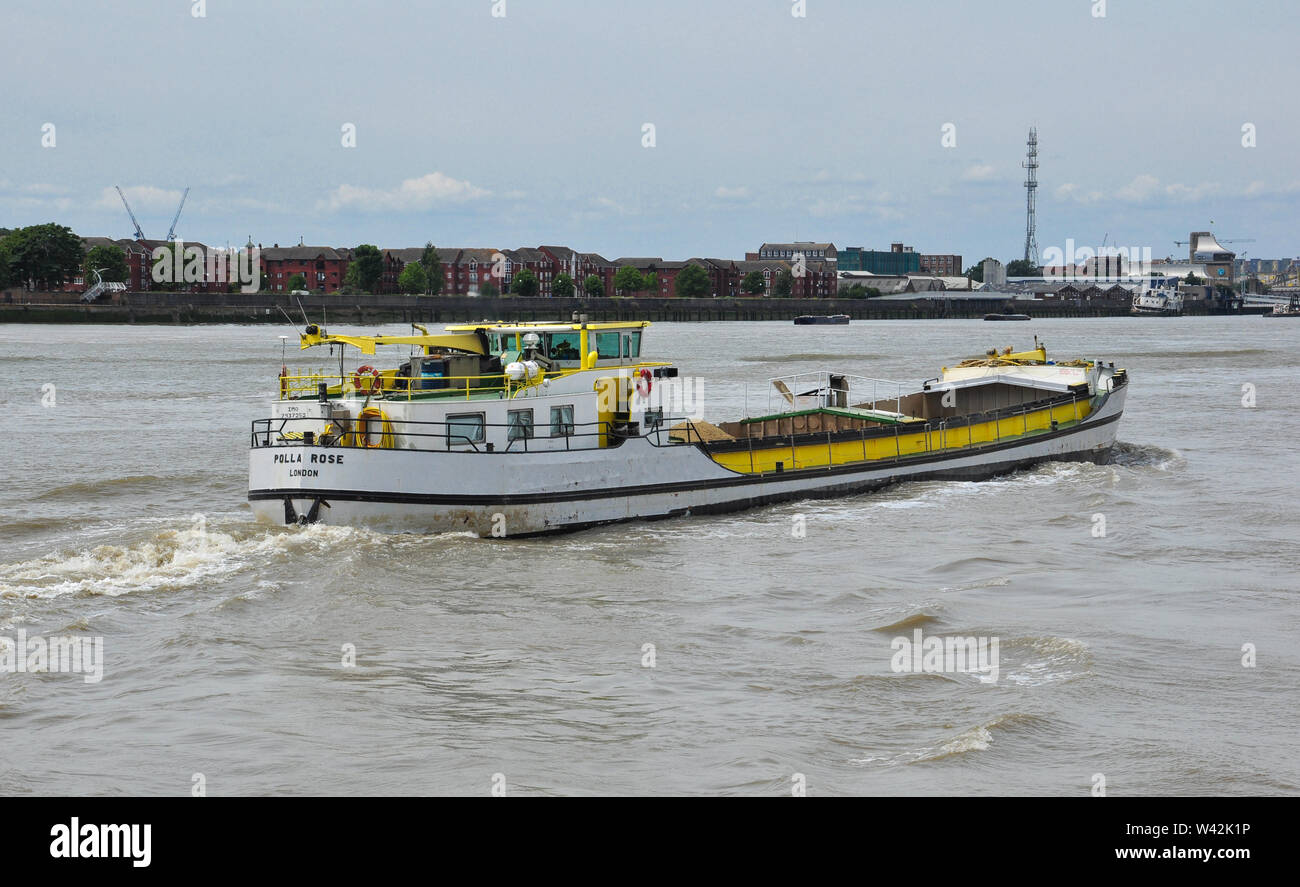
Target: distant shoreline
334	309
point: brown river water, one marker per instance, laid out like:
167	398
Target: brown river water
1159	657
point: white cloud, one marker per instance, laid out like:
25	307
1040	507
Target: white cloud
1141	189
609	205
44	189
979	172
1192	192
412	195
41	204
725	193
143	198
1263	189
877	205
1076	193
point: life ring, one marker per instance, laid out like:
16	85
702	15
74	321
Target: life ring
284	382
367	379
644	383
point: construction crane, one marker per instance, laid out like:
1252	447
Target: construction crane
171	232
139	235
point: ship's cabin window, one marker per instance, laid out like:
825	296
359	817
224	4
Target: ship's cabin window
608	345
562	421
519	424
465	428
632	344
564	346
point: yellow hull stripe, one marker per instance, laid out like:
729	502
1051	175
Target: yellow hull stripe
845	452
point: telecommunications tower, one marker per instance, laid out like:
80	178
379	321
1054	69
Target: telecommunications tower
1031	188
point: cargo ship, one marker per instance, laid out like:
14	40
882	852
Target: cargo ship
517	429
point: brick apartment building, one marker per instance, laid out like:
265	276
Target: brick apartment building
464	271
941	265
726	276
140	264
820	252
323	267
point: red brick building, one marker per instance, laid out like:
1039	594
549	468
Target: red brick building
942	265
580	266
323	267
140	265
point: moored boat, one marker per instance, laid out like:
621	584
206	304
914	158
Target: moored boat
819	319
1007	315
516	429
1290	309
1158	301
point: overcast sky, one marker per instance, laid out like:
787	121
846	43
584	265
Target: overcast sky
478	130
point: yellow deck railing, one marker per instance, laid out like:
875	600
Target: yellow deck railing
391	386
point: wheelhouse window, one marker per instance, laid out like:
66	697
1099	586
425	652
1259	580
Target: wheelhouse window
564	346
632	344
519	424
607	344
562	421
465	428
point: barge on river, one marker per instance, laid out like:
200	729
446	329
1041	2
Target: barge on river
508	429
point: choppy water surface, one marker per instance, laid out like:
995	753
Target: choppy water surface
123	517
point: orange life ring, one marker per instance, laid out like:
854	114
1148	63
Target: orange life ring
644	383
367	379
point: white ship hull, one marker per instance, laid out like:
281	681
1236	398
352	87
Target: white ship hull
514	494
1158	303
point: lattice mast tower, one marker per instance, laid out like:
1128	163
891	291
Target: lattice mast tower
1031	192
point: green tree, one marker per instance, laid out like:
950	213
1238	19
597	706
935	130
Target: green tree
524	284
692	282
489	290
6	275
297	282
1022	268
754	283
1192	279
629	280
45	256
562	286
783	286
413	279
109	260
432	266
594	286
859	291
366	267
